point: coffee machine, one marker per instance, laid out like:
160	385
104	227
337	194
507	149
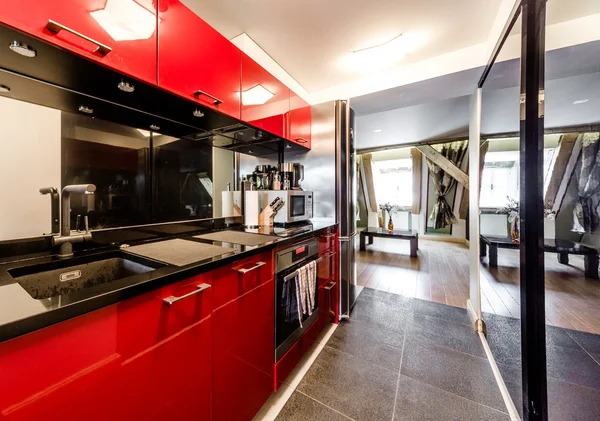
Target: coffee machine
294	172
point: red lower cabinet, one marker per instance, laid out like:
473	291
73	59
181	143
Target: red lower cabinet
243	318
138	359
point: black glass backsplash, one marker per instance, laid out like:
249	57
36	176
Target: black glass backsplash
140	177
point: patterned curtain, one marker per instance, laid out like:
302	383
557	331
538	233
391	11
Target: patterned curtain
585	213
442	214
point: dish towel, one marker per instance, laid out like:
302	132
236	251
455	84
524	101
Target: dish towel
299	293
311	281
289	301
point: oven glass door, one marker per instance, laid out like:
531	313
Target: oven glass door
287	325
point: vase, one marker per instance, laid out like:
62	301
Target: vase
390	224
514	230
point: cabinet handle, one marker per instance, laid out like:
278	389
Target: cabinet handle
301	140
216	101
243	271
329	286
56	27
332	254
172	299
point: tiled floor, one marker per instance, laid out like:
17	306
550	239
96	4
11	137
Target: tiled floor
399	358
573	366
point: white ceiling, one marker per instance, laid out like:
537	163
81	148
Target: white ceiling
309	38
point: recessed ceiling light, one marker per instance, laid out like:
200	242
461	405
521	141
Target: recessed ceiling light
154	127
198	113
126	20
581	101
22	49
126	86
257	95
4	89
377	130
85	109
144	133
288	146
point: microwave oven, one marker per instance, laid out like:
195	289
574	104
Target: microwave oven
297	205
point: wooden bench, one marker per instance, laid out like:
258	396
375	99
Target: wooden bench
412	236
561	247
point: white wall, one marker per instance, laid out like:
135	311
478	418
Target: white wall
29	160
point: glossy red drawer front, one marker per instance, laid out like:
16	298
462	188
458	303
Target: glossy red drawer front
300	121
327	266
327	240
193	56
126	27
265	100
138	359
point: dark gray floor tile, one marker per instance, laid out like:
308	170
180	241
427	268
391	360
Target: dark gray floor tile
589	341
354	387
448	313
457	336
557	336
386	297
571	402
381	313
419	401
574	366
504	339
465	375
301	407
378	345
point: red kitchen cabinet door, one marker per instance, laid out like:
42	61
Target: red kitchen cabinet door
243	339
195	61
328	239
265	100
120	34
138	359
300	121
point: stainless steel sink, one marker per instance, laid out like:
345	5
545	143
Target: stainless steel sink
62	277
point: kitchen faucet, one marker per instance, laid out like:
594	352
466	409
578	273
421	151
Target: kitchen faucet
66	238
55	207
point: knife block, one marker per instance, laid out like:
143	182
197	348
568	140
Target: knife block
266	217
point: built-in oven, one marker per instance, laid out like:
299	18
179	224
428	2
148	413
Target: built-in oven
287	263
297	205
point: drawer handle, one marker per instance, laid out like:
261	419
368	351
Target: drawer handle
216	101
329	286
172	299
56	27
243	271
332	254
329	235
301	140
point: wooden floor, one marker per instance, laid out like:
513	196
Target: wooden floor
441	274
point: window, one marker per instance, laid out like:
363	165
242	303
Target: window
500	178
393	181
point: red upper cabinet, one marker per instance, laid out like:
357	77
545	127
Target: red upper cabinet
120	34
195	61
138	359
300	121
265	100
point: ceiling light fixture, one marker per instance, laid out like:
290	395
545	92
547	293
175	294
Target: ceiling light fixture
154	127
581	101
198	113
126	86
22	49
4	89
257	95
126	20
85	109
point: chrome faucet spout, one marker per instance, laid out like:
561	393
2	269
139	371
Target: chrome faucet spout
65	239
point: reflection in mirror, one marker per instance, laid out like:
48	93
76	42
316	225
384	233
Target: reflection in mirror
141	177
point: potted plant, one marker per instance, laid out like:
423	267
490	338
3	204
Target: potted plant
512	210
390	208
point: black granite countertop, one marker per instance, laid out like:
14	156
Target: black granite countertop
20	313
